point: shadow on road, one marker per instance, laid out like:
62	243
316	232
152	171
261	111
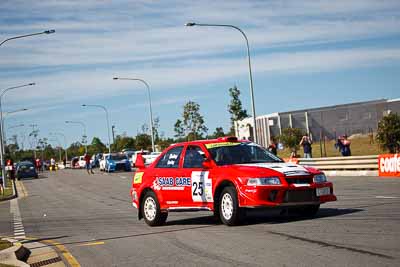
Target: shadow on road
268	216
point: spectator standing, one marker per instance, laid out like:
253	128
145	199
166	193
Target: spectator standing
306	143
88	165
38	164
272	147
346	146
10	169
52	164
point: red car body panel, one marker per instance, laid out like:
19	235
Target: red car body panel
179	188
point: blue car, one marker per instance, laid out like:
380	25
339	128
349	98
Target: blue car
26	169
116	162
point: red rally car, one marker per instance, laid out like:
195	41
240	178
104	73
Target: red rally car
225	176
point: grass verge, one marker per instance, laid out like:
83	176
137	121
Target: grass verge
5	244
8	191
360	146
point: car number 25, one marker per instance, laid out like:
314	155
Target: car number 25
201	187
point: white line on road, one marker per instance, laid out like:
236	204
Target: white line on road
19	232
386	197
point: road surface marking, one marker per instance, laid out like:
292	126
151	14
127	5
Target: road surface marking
91	244
19	232
386	197
64	251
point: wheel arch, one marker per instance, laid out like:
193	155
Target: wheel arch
142	194
218	190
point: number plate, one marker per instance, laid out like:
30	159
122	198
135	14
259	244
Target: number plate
323	191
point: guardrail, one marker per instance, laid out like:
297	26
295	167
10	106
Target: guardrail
359	163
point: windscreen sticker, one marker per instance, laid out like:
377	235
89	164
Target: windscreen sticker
137	179
173	156
213	145
201	187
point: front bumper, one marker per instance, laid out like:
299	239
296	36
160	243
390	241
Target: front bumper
284	195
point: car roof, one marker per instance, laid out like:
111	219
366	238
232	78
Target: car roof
25	163
232	139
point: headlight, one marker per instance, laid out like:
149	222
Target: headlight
320	178
264	181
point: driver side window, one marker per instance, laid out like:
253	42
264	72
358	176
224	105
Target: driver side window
194	157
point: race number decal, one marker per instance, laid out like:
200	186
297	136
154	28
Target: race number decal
201	187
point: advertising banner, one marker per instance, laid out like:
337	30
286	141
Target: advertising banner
389	165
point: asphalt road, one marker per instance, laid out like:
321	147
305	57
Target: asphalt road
93	217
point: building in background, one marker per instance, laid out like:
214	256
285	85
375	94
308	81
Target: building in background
323	122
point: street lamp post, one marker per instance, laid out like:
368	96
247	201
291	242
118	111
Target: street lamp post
6	114
253	109
84	131
108	123
151	111
27	35
2	128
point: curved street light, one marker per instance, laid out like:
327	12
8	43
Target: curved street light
2	128
108	122
253	109
84	131
28	35
151	111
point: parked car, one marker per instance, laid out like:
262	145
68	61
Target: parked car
26	169
82	162
95	161
225	176
115	162
134	156
148	159
74	162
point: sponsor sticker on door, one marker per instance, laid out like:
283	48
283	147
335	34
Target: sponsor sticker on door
389	165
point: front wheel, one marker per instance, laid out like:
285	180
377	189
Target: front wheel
229	210
150	209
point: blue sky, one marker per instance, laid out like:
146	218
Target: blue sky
304	54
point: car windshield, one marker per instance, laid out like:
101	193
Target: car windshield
240	153
117	157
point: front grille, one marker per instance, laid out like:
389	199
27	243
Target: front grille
300	196
299	180
120	166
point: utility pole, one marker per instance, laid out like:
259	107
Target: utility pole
113	133
35	139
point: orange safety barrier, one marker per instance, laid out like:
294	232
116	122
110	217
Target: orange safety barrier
389	165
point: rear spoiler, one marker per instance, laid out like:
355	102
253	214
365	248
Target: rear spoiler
139	163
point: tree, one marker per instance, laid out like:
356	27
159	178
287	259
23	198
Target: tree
192	126
97	146
235	108
143	141
219	132
388	134
291	138
123	142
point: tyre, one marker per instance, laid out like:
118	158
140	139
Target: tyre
150	209
229	210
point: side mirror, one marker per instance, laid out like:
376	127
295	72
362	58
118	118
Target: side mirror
139	163
207	163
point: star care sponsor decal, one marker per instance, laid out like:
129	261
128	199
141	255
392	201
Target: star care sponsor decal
137	179
172	183
214	145
201	187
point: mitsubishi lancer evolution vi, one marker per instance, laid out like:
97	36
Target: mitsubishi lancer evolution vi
225	176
